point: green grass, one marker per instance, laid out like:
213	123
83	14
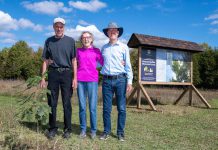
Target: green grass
174	127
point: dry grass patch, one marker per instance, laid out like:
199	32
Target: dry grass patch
8	87
161	95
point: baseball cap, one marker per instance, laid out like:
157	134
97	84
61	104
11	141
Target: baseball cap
61	20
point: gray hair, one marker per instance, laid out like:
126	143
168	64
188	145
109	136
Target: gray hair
89	34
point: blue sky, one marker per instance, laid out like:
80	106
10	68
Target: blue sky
31	21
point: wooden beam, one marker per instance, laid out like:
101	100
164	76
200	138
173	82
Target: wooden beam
138	98
180	97
147	97
191	78
191	71
131	95
165	83
139	64
190	95
139	77
201	97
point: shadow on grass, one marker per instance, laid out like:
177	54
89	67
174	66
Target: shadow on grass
133	102
44	128
33	126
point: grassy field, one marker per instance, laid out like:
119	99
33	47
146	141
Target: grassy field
173	127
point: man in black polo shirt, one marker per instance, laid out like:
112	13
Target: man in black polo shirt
59	56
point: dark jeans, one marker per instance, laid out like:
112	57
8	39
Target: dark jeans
109	87
62	80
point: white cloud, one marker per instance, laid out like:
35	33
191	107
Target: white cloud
82	22
46	7
211	17
124	41
50	28
213	31
100	38
214	22
25	23
66	10
92	5
49	34
7	22
6	35
160	5
35	45
8	41
38	28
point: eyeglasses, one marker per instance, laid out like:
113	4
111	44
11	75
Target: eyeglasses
87	37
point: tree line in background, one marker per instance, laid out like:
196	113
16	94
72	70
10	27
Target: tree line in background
21	62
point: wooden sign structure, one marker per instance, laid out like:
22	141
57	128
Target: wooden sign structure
163	61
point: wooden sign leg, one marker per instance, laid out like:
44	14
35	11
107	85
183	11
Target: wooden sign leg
138	98
190	95
180	97
129	99
201	97
147	97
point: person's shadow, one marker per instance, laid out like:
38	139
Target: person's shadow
44	128
33	126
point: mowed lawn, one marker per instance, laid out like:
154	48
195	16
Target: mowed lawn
172	127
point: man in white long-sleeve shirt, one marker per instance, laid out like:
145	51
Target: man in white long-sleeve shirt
117	78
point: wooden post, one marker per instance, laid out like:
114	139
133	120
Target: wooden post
131	95
190	88
139	77
147	97
201	97
180	97
138	98
190	95
137	88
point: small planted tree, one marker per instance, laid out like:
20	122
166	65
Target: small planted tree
32	106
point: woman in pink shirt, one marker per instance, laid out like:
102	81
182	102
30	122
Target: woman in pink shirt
87	76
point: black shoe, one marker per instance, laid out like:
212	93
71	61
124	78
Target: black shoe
121	137
104	136
51	134
66	135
